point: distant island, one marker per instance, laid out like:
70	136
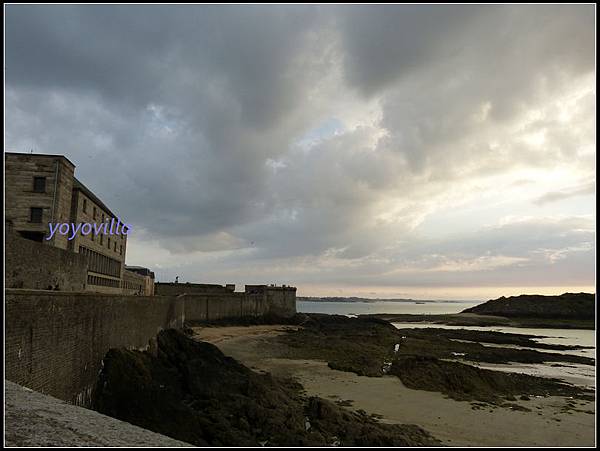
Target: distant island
564	306
357	299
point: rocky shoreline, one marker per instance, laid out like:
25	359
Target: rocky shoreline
432	359
191	391
187	389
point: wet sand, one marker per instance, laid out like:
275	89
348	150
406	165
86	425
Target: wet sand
474	319
456	423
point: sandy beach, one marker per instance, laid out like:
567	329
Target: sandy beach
456	423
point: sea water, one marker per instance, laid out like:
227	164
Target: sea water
391	307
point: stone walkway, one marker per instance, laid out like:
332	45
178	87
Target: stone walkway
34	419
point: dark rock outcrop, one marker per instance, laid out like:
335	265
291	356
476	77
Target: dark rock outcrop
362	345
565	306
431	359
467	383
191	391
358	345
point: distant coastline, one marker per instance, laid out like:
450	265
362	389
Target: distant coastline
358	299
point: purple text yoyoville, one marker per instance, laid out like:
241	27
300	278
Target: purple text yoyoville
85	228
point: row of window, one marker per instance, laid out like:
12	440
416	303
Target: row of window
94	211
101	281
114	241
104	282
101	263
128	285
92	237
36	216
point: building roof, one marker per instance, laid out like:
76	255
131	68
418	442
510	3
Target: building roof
140	270
77	185
51	155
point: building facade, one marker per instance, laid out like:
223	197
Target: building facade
38	191
138	280
42	189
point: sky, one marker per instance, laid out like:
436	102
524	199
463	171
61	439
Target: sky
427	152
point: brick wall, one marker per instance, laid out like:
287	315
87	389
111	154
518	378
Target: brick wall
32	265
55	342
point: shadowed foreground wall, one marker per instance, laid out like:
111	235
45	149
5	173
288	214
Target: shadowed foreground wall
55	341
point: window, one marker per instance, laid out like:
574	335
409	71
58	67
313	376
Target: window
36	214
85	205
39	184
115	246
101	281
121	249
34	236
94	212
101	238
102	264
108	243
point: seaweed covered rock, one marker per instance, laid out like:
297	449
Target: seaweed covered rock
358	345
425	358
466	382
191	391
365	345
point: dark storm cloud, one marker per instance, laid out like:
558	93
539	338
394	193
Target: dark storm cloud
220	78
142	54
386	44
189	119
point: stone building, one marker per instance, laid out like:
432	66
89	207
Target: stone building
138	280
42	189
38	190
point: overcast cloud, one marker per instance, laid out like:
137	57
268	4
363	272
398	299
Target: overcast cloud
377	150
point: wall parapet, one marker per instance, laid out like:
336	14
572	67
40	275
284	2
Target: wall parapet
172	288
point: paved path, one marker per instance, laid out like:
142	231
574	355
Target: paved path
33	419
